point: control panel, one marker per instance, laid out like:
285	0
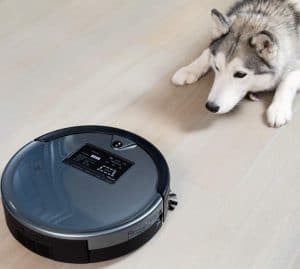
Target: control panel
99	163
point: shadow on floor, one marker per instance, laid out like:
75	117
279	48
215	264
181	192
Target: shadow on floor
183	107
178	107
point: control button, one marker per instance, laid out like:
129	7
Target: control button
117	144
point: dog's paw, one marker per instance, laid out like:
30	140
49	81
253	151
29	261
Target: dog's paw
184	76
279	115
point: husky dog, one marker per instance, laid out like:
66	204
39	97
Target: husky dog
255	48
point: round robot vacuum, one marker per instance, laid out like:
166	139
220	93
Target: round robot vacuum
86	194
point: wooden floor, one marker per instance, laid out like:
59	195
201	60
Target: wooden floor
72	62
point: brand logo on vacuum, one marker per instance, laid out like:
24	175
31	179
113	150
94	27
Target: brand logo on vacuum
95	157
143	227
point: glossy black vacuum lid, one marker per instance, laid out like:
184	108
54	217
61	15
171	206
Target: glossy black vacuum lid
84	180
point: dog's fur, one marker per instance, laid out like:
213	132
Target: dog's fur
255	48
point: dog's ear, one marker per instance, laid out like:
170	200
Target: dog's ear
221	24
265	44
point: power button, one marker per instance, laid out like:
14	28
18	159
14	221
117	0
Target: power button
117	144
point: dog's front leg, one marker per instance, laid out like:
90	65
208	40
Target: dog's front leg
280	111
192	72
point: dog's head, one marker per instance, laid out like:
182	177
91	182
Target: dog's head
243	58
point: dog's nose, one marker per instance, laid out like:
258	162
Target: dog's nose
212	107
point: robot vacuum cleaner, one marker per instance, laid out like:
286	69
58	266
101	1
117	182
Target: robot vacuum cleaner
86	194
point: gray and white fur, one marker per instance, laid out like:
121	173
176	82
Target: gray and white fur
255	48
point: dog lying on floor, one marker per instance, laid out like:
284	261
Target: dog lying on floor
255	48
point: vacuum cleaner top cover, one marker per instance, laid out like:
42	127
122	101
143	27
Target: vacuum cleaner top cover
84	181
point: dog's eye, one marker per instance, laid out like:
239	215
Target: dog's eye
217	68
239	74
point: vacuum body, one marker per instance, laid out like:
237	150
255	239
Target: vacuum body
85	194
